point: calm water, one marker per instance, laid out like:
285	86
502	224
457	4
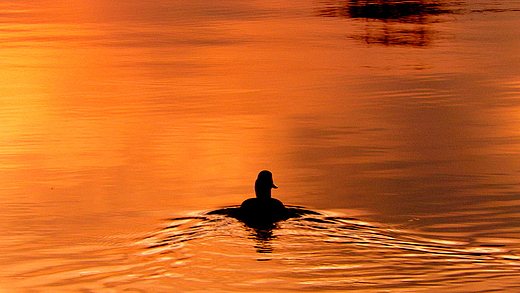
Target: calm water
123	125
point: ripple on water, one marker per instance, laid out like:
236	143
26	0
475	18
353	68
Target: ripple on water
326	252
317	251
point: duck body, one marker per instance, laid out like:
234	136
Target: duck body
262	211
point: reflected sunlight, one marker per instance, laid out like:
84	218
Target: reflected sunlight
118	115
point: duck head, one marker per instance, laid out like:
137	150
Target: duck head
263	184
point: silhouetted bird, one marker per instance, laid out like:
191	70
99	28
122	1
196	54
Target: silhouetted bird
263	210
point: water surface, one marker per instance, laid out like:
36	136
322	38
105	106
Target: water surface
125	124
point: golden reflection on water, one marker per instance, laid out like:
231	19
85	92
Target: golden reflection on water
91	93
115	115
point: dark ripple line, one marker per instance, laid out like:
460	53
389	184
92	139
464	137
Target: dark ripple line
329	229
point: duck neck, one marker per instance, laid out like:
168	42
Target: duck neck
263	193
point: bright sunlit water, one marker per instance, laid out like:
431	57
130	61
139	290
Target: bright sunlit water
124	125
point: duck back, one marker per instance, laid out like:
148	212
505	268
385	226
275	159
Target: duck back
262	210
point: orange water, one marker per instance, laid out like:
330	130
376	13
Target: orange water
123	123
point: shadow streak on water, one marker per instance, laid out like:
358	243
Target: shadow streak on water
414	11
390	22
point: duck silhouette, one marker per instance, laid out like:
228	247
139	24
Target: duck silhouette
263	209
